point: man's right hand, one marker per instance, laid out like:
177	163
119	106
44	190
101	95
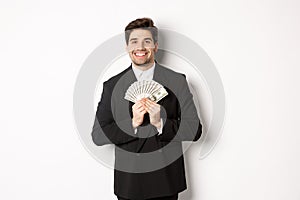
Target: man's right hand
138	112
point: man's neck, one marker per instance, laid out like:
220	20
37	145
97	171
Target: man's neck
144	68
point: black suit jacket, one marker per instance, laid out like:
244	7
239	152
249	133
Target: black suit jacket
141	177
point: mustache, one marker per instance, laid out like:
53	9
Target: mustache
142	49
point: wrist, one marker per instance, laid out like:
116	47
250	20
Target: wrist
157	124
134	124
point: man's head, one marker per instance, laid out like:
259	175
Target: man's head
141	39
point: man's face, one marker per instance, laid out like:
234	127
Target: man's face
141	47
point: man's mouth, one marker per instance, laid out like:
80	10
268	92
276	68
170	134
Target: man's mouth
140	54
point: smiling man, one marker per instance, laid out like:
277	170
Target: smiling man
148	135
141	48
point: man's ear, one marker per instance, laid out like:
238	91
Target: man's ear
155	47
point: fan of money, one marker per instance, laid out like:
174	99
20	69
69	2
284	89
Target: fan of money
145	89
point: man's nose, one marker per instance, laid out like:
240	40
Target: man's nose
140	45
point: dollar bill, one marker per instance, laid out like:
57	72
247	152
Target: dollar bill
158	94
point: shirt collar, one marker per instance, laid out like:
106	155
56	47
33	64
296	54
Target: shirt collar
146	74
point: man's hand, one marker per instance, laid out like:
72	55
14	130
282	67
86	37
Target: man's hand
138	111
154	112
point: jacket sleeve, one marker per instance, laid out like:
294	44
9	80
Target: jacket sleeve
187	126
105	129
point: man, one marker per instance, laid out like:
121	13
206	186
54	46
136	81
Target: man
147	135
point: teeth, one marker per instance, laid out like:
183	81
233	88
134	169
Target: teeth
140	54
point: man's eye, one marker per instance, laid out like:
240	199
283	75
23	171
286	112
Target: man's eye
133	42
148	41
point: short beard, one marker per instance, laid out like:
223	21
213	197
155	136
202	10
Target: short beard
142	65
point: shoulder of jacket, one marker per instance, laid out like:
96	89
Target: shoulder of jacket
171	72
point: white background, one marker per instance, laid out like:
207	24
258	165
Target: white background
254	44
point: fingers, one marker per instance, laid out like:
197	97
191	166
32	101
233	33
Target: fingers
142	110
151	106
146	105
143	106
149	102
137	105
138	108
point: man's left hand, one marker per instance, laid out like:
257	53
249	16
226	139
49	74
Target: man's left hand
154	112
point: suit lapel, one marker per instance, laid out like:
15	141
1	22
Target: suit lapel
129	77
159	75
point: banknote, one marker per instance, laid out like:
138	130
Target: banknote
145	89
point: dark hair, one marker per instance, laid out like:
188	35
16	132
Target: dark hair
142	23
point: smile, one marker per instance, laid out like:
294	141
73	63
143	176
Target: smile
140	54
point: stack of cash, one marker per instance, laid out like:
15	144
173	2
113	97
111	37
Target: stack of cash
145	89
